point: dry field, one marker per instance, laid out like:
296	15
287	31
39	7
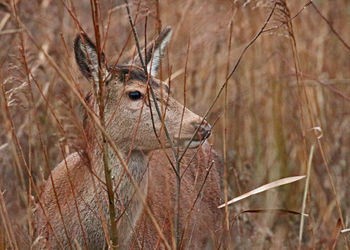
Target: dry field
274	75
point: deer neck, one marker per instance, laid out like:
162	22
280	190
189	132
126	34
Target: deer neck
137	165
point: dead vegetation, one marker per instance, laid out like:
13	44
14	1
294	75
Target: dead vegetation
272	76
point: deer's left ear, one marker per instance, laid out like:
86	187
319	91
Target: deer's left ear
155	51
87	59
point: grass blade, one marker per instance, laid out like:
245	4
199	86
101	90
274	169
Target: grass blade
264	188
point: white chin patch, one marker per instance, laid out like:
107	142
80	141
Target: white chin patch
194	144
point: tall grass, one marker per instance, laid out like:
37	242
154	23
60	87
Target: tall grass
289	89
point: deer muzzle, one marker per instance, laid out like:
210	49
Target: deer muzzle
203	130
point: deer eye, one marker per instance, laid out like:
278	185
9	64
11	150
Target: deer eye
135	95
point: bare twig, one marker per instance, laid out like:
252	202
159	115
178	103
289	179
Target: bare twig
101	98
330	26
6	222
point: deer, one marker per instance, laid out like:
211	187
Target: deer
73	210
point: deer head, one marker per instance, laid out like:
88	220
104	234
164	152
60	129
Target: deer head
130	113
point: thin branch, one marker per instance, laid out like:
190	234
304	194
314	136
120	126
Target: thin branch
330	26
101	95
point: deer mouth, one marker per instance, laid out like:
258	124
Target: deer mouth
183	142
193	143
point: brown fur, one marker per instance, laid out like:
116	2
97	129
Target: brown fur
200	219
73	207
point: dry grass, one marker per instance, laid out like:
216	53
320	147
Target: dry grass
294	77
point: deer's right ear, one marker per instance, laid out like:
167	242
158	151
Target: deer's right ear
86	57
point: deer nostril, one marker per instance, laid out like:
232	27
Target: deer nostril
204	130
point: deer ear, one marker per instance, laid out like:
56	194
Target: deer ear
155	54
86	57
155	51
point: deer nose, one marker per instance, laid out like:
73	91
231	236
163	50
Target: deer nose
204	130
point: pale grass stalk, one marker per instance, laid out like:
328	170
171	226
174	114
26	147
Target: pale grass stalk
4	20
175	75
10	31
306	189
